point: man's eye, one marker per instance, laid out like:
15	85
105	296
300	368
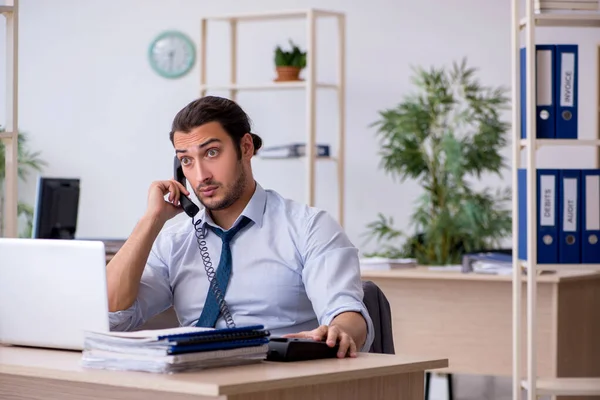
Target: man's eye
185	161
212	152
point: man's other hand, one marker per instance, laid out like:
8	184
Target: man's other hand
332	335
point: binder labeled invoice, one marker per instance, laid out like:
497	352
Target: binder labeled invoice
567	83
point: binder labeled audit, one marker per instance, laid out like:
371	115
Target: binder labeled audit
547	221
569	248
590	216
567	83
545	91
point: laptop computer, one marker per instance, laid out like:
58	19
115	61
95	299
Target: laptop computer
51	291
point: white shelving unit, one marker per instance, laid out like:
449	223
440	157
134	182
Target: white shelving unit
310	84
537	386
10	135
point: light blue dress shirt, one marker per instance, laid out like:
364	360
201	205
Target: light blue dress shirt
293	269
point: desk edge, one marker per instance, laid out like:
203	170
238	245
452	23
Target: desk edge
459	276
334	377
100	379
198	388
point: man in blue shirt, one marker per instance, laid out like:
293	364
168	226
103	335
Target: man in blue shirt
290	267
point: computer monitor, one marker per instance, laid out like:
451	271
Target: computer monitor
57	205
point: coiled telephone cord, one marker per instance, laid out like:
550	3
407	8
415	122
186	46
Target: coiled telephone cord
210	272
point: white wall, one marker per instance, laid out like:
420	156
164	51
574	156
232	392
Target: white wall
97	111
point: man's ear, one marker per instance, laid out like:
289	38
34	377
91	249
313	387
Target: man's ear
247	146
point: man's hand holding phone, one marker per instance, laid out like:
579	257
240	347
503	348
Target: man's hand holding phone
161	208
125	270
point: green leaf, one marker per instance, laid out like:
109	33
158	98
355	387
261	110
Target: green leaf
28	161
445	135
290	58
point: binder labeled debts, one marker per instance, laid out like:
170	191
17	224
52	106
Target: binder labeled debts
547	206
568	223
556	84
176	349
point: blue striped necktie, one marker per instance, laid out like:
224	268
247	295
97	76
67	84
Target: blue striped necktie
211	310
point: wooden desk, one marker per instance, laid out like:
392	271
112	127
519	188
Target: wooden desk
467	318
56	374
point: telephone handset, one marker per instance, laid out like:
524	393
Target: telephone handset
188	205
191	210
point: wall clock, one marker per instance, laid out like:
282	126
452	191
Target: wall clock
172	54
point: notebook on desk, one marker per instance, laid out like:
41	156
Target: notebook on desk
176	340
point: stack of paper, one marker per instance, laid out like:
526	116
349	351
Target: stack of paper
495	263
382	263
565	5
174	350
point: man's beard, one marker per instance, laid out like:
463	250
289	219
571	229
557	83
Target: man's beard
232	194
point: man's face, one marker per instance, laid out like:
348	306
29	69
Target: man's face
210	163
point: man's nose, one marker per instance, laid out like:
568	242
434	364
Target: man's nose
202	174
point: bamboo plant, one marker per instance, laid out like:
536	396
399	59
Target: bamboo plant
446	136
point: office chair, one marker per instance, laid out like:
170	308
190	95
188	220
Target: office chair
380	312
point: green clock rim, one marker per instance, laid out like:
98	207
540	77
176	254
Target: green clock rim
189	43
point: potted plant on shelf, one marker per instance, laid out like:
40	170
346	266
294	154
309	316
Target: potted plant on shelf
27	161
445	137
289	64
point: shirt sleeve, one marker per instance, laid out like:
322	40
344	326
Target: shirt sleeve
154	295
331	273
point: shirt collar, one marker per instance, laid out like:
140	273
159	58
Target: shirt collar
254	210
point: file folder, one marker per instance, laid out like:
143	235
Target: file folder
547	211
293	150
544	83
569	230
567	82
181	340
590	216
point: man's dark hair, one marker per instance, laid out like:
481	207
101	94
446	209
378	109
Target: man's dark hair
224	111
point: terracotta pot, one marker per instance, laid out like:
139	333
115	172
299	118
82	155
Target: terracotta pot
285	74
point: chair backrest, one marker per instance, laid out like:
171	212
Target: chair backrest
379	309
